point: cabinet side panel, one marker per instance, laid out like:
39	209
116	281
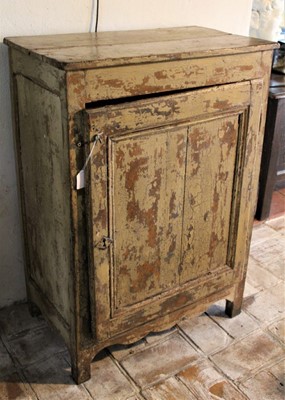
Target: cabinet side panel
45	193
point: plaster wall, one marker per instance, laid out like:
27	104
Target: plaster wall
36	17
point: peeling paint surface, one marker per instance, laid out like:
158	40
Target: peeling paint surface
149	184
208	196
163	187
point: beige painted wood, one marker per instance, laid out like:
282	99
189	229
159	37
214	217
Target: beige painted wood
43	74
147	178
210	173
48	83
164	197
190	107
109	83
158	111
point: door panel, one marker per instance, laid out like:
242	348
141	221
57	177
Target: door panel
148	173
163	188
208	195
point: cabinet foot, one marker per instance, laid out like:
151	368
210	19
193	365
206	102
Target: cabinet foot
81	371
233	308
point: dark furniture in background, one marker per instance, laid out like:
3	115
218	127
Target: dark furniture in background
272	173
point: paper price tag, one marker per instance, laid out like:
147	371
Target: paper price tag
80	181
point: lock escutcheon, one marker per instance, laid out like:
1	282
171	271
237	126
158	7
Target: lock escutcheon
104	243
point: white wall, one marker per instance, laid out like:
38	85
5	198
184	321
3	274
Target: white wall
35	17
227	15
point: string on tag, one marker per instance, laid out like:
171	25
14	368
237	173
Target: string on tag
80	177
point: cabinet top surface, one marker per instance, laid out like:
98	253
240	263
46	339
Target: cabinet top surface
102	49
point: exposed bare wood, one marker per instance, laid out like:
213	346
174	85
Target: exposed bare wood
111	38
101	50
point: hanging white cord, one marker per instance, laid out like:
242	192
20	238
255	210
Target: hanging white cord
94	16
91	26
97	16
80	177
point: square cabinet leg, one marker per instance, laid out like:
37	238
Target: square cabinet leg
81	370
233	307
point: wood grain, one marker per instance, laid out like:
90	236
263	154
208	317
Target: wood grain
93	50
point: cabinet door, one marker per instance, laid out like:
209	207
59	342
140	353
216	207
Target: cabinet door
166	188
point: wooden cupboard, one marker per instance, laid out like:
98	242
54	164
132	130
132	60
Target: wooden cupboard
167	126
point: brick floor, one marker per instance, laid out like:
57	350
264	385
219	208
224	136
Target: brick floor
207	357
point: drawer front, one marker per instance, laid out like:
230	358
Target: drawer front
164	189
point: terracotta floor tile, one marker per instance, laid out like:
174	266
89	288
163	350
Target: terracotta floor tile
205	333
136	397
207	383
262	233
36	345
107	381
277	204
256	222
263	386
249	290
12	388
241	358
278	370
271	255
259	277
158	362
15	320
51	379
237	327
171	389
120	352
268	304
157	336
277	223
6	363
278	329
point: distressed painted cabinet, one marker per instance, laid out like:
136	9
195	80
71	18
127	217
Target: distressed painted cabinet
172	122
